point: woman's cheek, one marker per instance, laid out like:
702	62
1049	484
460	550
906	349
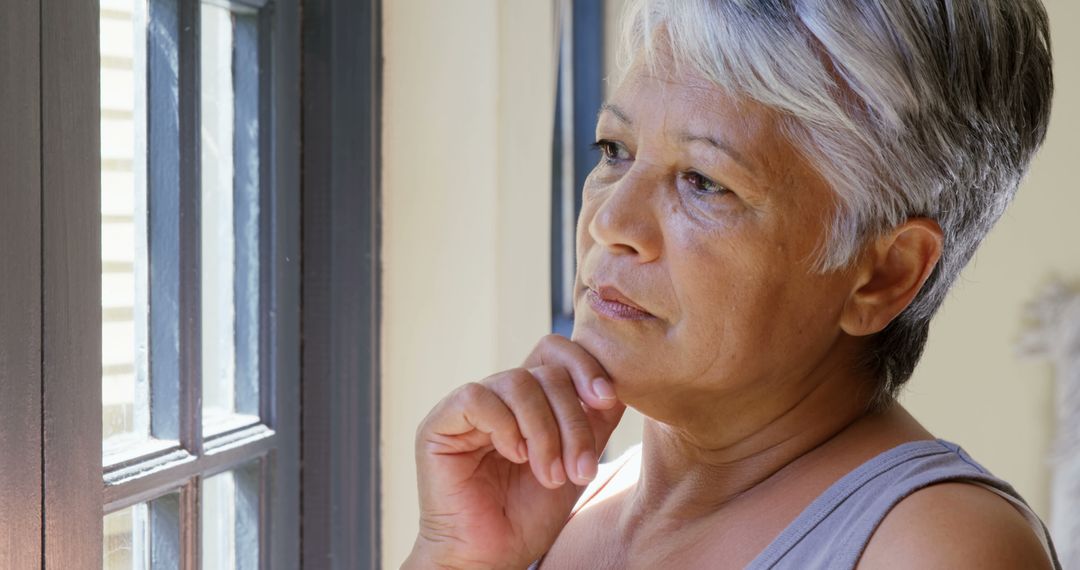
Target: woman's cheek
595	183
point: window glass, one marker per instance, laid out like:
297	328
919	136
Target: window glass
230	217
124	285
158	78
144	231
230	519
126	535
146	535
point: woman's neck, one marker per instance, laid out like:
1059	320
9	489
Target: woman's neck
692	471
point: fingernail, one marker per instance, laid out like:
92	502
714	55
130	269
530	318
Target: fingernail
603	390
523	451
586	465
558	474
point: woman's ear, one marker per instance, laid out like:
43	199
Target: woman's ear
889	274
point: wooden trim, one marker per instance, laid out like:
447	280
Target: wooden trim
147	479
341	284
20	295
189	275
71	284
281	403
239	6
189	362
190	525
266	526
131	451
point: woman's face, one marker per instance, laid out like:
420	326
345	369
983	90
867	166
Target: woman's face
700	213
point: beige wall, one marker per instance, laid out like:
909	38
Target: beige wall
469	89
468	111
971	387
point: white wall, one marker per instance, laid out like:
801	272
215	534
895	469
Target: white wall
468	111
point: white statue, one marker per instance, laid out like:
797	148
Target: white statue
1054	333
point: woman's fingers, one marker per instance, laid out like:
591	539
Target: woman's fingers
593	384
589	378
522	393
604	422
579	453
473	407
557	414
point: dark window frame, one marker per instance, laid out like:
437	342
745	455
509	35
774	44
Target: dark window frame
341	288
50	366
271	441
579	94
55	487
21	292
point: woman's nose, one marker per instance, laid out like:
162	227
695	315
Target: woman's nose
625	219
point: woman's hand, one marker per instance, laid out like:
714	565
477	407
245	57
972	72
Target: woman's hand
501	462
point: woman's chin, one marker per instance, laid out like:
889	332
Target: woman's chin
622	358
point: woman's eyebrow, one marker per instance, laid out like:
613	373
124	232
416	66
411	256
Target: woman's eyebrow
617	111
714	142
720	145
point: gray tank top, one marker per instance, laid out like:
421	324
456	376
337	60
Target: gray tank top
833	530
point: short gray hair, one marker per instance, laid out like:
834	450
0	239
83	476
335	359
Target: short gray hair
907	108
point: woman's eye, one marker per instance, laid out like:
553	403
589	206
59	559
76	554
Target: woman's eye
611	151
703	185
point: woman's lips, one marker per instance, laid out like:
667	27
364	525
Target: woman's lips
614	309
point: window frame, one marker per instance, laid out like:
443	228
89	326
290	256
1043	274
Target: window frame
194	457
53	487
579	90
21	293
342	113
59	487
70	285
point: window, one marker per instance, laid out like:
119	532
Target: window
150	393
189	430
580	94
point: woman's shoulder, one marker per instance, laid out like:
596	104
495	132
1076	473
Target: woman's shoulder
956	524
936	506
919	503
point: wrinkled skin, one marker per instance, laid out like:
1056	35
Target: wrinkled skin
703	215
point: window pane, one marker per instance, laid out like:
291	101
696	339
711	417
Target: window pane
146	535
218	314
230	519
230	216
124	350
126	538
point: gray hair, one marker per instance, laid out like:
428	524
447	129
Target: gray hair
907	108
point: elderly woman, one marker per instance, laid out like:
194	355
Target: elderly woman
785	192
